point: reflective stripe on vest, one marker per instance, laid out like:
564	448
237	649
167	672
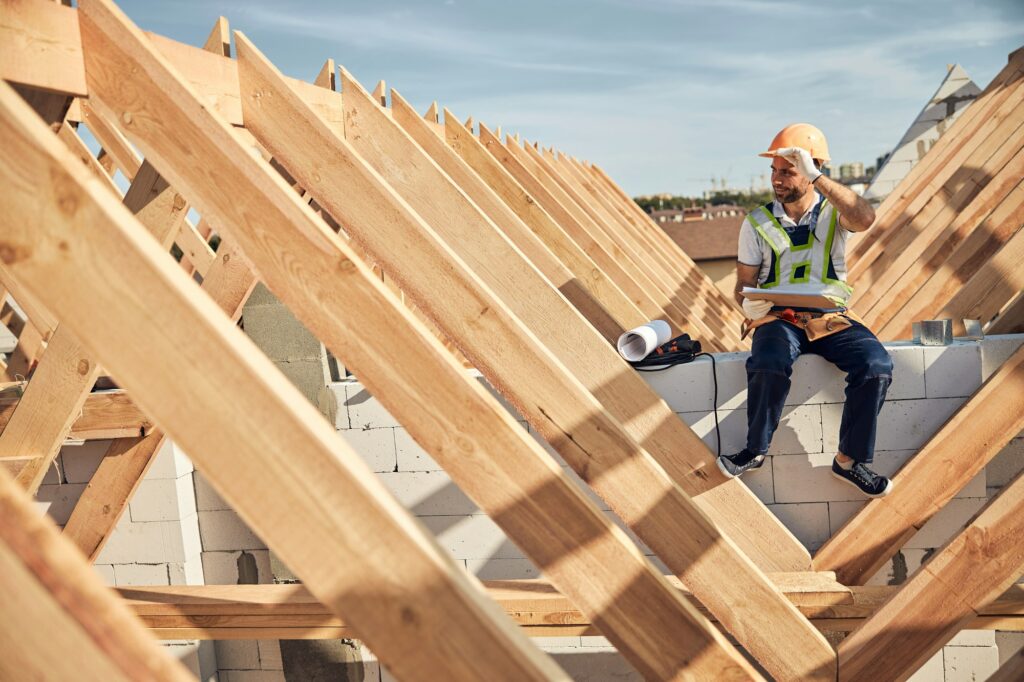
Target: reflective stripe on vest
803	267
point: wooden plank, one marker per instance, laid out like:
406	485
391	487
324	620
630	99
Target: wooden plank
52	402
84	154
327	78
929	480
52	600
219	40
479	321
1011	318
944	595
986	268
1011	670
194	247
22	360
40	47
504	219
113	142
620	390
600	286
296	136
223	401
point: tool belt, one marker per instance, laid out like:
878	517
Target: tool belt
816	324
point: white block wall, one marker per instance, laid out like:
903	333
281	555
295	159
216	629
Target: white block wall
172	537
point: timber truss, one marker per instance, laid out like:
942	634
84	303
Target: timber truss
518	260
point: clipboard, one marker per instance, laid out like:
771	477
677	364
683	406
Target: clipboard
789	298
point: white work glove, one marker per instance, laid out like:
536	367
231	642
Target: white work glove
800	158
755	310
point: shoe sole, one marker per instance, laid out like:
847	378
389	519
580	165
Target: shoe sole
728	474
888	486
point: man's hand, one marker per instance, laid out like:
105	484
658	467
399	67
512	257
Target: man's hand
800	158
755	310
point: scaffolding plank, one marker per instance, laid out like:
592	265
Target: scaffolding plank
930	479
944	595
479	321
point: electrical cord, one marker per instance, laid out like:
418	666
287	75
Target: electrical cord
688	353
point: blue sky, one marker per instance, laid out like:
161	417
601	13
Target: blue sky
662	93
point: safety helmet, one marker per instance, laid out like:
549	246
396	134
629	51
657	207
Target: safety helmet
802	135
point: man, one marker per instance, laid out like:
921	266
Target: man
798	242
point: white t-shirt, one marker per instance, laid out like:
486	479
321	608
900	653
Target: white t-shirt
754	250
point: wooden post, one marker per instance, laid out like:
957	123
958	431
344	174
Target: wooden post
929	480
274	456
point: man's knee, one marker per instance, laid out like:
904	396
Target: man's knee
774	356
877	365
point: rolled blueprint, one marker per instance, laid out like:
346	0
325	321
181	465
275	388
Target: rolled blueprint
637	344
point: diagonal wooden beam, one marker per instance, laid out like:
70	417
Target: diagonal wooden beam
51	600
462	140
467	429
112	141
298	466
478	320
944	595
219	40
730	504
929	480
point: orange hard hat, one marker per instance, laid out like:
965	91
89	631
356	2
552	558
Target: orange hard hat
802	135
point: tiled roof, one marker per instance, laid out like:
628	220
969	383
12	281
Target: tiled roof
707	239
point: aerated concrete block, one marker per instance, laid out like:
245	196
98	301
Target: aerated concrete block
1005	466
503	569
471	537
163	500
410	456
207	499
365	411
428	493
241	654
81	461
129	575
932	671
902	424
150	542
594	665
907	372
106	573
58	501
252	676
952	371
948	523
808	478
973	638
270	654
225	531
807	521
186	572
170	462
237	567
970	663
376	447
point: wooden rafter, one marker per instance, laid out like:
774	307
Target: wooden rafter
929	480
306	471
550	399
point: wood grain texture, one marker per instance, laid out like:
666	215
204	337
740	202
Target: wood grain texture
479	321
335	169
276	459
930	479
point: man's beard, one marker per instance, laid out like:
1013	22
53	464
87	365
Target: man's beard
789	196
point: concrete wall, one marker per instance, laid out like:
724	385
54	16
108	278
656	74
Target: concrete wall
178	530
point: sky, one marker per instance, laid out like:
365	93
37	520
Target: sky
663	94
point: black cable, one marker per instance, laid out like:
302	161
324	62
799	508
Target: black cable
714	404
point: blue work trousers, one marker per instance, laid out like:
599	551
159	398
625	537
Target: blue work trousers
855	350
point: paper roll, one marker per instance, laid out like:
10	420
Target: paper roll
637	344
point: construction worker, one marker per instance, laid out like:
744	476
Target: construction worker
798	242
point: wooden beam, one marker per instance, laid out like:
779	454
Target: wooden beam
380	93
52	600
105	286
296	136
113	142
930	479
194	247
945	594
1011	670
327	78
479	321
504	219
526	208
52	402
219	40
1011	318
40	47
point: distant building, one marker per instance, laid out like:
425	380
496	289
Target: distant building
848	171
956	91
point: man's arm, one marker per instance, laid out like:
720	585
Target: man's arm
856	213
746	276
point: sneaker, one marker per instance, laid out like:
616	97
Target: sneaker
744	460
864	479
